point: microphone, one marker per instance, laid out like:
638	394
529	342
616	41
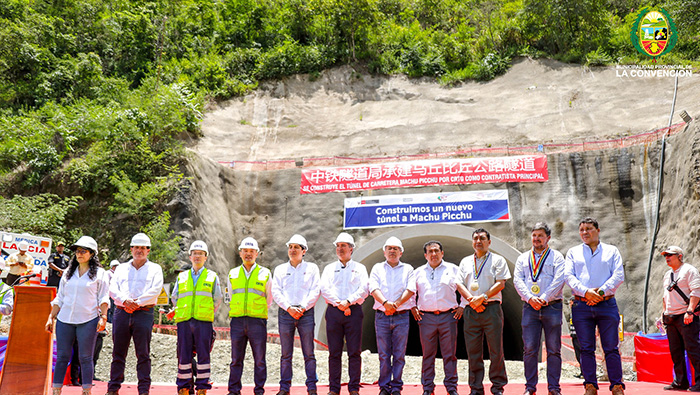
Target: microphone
25	278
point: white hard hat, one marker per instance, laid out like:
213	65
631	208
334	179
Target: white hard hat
114	263
23	246
199	245
344	238
249	242
85	242
394	242
298	239
140	239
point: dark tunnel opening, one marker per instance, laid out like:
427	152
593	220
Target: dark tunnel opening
456	241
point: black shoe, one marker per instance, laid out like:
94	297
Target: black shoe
529	392
674	387
382	391
312	392
282	392
695	388
452	392
426	392
396	393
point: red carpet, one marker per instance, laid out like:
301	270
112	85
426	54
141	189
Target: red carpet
568	388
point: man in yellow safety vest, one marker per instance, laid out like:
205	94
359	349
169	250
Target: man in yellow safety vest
250	298
196	297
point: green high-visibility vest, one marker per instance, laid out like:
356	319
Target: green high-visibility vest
248	293
195	300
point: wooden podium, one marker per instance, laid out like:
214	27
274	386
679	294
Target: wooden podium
29	353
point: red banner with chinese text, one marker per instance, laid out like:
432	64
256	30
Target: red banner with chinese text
524	168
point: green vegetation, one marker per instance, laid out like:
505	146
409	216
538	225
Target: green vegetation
96	96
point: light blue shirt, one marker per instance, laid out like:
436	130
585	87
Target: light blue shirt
550	281
601	269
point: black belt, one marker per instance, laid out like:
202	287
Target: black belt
491	302
551	302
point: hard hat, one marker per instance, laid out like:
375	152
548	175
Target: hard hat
114	263
85	242
199	245
23	246
344	238
298	239
60	243
249	242
394	242
140	240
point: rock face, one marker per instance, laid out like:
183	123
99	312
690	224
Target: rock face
616	185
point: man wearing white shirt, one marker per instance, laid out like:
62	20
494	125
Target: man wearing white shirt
594	271
391	285
681	296
539	280
295	289
437	313
134	287
344	286
485	275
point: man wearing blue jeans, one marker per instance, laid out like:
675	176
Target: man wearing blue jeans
250	300
295	289
594	271
134	287
391	285
539	280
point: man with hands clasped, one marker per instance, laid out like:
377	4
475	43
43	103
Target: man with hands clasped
437	313
485	275
391	285
539	280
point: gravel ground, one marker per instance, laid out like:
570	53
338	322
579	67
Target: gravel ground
164	365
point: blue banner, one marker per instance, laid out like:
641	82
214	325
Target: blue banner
451	207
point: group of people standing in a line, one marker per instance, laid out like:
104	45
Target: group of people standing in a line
593	270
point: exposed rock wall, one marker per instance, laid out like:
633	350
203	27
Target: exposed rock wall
617	186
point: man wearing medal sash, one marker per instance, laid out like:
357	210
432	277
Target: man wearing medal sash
485	275
539	280
594	271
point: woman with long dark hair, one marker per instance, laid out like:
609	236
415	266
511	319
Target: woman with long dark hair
80	308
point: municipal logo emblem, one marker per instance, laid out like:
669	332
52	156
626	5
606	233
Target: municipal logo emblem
653	33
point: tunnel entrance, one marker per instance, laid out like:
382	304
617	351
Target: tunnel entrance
456	241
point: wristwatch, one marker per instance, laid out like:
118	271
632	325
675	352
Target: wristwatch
486	297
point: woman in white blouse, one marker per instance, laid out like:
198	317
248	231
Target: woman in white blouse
80	308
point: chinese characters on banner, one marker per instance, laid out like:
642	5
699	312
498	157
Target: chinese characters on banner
524	168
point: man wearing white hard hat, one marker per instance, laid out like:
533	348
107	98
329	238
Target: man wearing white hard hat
295	288
135	287
391	285
19	263
681	296
196	297
344	286
250	299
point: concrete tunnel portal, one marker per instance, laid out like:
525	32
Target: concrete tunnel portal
456	242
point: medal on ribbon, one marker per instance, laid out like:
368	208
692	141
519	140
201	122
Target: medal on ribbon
536	266
477	272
